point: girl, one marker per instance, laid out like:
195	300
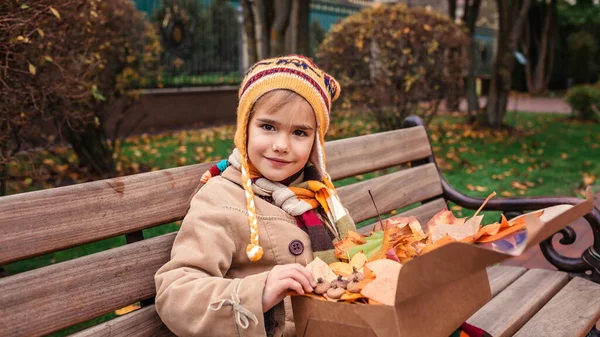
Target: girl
261	215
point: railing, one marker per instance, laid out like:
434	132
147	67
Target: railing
202	39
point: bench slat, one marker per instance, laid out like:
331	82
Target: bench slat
423	213
45	221
358	155
502	276
140	323
512	308
391	191
572	312
74	291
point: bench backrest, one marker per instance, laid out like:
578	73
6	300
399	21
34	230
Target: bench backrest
50	298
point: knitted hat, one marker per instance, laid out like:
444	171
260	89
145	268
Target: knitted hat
300	75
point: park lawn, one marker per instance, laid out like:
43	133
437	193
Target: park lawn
543	155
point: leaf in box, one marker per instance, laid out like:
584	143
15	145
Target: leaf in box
373	244
358	260
391	238
341	268
383	288
444	223
320	269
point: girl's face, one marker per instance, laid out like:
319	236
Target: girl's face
281	133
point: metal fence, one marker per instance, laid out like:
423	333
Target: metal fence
202	39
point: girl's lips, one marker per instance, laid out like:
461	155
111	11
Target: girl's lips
277	162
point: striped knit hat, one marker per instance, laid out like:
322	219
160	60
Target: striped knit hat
300	75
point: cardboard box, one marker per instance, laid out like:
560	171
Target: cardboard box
436	292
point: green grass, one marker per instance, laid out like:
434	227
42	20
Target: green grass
543	155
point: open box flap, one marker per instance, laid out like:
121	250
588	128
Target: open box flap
455	260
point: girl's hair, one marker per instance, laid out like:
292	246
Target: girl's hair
277	99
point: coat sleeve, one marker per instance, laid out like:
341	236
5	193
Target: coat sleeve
192	296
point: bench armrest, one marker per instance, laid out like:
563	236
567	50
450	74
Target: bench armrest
511	207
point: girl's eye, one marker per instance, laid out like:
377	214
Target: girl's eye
299	133
267	127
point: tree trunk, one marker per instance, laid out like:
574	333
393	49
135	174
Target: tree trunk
261	30
452	9
510	26
91	148
3	178
249	31
546	48
283	9
470	15
303	27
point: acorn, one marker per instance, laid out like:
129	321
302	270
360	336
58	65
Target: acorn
335	292
353	285
357	274
340	282
322	286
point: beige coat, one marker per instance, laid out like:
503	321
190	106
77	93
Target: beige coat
209	264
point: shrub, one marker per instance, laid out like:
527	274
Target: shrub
394	61
583	47
65	62
584	100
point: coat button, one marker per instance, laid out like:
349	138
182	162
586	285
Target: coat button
296	247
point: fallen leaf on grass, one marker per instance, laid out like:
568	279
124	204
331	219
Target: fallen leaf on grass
588	179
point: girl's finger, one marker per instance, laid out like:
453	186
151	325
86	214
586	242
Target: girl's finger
289	283
296	275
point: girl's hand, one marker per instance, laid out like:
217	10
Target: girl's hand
283	278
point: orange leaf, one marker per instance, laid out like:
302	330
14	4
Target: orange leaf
391	237
439	243
383	288
341	268
502	233
356	238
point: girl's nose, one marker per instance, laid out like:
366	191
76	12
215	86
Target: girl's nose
281	144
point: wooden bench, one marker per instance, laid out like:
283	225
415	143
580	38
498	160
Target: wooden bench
47	299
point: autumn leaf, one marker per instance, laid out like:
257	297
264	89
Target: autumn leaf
54	12
32	69
588	179
128	309
319	269
519	186
341	268
383	288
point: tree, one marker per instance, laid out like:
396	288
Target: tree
469	17
65	63
266	23
537	43
511	20
393	61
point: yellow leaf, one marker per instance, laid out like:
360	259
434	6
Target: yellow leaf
31	69
41	32
127	309
55	12
48	58
588	179
519	186
341	268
